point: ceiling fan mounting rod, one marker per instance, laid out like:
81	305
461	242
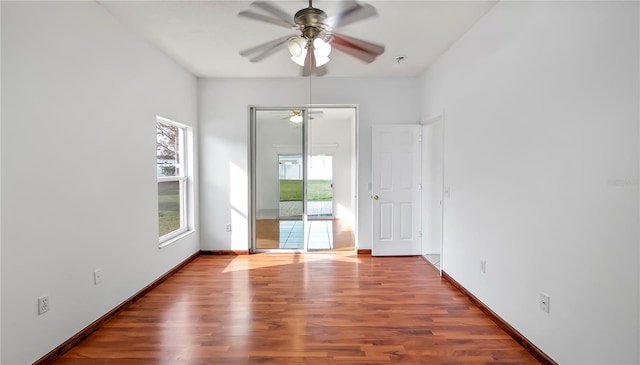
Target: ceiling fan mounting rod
310	18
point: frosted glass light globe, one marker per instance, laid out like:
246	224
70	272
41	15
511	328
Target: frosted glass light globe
297	46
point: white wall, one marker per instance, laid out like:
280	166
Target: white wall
541	154
80	95
224	137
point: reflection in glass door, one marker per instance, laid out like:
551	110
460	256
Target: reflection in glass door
278	175
290	186
303	179
291	229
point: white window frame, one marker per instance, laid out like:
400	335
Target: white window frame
183	164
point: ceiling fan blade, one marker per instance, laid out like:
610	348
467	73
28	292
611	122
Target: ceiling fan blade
321	71
313	114
351	12
264	50
309	63
357	53
265	18
363	50
275	11
368	47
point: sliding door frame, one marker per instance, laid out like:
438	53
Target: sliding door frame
251	171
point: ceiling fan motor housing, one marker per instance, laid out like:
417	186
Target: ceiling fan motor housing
311	21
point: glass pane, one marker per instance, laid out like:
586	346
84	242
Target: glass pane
279	173
291	234
168	150
331	173
290	185
320	188
169	207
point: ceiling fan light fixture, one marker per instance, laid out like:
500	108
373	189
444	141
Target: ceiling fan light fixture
297	46
296	118
298	49
299	60
322	48
320	61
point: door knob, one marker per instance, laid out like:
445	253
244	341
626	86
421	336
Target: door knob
375	197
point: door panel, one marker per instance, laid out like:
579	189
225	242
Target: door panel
386	222
386	171
396	192
406	221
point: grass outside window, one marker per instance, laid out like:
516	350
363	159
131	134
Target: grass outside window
317	190
168	206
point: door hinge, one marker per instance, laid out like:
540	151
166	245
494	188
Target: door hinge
419	186
419	137
419	234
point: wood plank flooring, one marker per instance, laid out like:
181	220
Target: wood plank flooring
319	308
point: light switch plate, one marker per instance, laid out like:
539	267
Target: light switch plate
544	302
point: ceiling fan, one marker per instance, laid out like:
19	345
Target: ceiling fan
311	48
295	116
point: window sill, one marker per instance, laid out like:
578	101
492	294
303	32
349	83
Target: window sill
178	237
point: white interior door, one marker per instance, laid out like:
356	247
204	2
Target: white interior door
396	195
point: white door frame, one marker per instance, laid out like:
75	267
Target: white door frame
427	189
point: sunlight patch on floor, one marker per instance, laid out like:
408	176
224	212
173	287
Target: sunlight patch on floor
245	262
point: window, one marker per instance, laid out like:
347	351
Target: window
171	166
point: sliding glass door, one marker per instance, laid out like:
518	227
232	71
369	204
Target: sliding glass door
295	157
279	179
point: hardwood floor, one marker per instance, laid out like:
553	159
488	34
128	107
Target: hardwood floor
328	308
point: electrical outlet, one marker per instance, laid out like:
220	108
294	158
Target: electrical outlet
97	276
229	227
544	302
43	305
483	266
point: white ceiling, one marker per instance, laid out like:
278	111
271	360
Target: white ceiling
206	36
